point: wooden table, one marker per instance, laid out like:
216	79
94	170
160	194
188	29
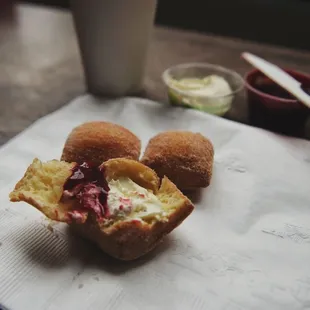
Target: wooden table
41	69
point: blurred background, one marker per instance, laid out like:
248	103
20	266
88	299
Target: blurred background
41	69
279	22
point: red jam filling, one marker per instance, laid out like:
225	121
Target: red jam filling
88	185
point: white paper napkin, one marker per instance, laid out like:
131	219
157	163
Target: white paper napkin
246	245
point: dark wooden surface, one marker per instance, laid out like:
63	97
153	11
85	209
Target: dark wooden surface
41	69
237	18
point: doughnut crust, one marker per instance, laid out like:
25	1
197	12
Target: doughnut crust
97	142
186	158
42	186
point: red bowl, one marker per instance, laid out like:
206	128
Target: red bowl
272	108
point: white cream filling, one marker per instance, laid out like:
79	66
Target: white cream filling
126	198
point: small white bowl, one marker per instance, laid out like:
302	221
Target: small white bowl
217	104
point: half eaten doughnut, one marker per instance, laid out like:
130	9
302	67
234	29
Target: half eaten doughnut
120	205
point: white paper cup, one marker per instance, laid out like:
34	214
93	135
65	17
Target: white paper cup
113	37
